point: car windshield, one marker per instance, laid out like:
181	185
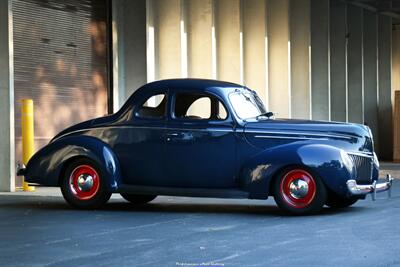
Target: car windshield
247	104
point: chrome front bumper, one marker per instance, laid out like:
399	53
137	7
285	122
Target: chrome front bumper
373	188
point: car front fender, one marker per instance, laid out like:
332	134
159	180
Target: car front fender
46	166
329	163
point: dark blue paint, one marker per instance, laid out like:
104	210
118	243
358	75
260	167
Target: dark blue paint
231	155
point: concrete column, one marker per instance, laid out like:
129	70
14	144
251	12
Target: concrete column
199	33
355	64
395	59
254	49
167	38
227	23
370	73
134	45
384	82
338	60
129	48
7	149
300	58
117	52
278	55
320	81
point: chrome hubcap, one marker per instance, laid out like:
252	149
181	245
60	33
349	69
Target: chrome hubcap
85	182
298	188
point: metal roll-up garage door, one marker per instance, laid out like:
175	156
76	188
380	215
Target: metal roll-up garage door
60	61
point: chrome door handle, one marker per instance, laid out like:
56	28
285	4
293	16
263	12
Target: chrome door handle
172	135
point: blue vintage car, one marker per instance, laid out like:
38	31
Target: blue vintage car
206	138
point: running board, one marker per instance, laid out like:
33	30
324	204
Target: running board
184	192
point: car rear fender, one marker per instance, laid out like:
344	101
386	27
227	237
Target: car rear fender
329	163
47	165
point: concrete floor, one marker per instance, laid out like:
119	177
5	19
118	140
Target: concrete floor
41	229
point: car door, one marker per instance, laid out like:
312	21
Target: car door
200	142
140	145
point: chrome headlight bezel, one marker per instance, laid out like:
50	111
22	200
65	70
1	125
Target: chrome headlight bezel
376	161
372	138
347	161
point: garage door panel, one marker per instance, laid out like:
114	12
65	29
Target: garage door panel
60	62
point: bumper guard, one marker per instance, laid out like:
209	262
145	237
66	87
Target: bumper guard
20	169
356	189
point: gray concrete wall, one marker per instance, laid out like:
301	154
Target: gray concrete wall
355	64
254	52
300	48
278	55
129	54
370	31
134	45
228	28
7	157
306	58
338	60
199	36
385	133
167	41
320	81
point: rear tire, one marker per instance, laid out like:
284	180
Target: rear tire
297	191
83	185
138	199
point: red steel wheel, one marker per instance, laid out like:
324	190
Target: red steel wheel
84	185
84	182
298	191
298	188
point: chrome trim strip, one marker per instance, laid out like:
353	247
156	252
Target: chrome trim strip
301	134
361	154
143	127
289	137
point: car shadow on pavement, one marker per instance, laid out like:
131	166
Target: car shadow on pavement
55	203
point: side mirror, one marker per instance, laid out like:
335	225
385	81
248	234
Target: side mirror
269	114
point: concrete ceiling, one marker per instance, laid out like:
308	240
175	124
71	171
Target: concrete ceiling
386	7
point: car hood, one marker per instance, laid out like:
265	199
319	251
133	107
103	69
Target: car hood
350	136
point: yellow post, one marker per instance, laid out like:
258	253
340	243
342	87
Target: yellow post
28	145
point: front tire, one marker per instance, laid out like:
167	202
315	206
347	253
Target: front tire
337	202
138	199
297	191
83	185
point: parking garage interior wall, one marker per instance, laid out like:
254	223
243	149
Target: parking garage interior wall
307	59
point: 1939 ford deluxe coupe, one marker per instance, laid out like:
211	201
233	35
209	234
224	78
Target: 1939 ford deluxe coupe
206	138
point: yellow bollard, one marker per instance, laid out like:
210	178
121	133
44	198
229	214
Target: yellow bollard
28	145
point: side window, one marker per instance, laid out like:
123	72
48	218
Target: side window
199	107
153	107
221	114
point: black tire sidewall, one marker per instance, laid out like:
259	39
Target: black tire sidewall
315	205
336	202
102	195
137	199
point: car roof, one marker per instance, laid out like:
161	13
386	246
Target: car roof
191	83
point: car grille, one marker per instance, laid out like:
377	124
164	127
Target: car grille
363	166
